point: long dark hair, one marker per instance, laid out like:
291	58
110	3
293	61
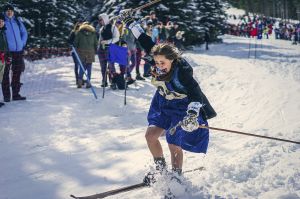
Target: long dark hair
166	49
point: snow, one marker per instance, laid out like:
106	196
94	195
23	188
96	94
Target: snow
63	141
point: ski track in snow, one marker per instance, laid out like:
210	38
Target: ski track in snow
62	141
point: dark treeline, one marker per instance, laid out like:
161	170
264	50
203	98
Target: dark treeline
285	9
49	22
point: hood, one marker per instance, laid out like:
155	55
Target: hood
87	27
105	18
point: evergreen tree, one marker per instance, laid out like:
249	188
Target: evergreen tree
48	22
213	18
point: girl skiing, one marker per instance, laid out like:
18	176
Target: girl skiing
178	98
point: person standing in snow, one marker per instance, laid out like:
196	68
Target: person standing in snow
86	44
178	98
71	40
4	59
206	39
16	36
108	34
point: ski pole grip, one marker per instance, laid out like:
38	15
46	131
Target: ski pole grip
173	129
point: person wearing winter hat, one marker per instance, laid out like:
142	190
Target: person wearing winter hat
86	44
8	7
3	48
108	34
16	36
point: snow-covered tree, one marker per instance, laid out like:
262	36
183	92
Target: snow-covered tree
208	16
48	22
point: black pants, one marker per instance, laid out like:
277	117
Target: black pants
17	66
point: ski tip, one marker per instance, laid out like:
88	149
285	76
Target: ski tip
72	196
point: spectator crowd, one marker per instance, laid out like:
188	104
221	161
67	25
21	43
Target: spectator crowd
88	42
263	27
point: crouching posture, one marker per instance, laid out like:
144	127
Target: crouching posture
178	98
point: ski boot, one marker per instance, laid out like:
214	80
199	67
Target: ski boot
79	83
160	167
18	97
139	77
113	86
104	84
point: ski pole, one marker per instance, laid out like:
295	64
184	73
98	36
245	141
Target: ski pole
105	79
126	81
173	130
145	5
249	47
255	48
140	7
81	66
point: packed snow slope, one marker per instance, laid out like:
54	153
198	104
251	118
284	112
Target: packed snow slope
63	141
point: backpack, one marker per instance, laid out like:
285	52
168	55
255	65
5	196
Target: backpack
119	80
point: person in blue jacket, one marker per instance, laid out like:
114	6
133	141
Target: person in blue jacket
178	98
16	36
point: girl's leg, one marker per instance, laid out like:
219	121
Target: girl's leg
152	135
176	157
89	70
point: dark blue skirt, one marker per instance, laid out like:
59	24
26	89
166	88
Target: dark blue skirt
165	114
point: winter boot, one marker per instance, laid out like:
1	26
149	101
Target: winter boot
88	85
18	97
104	84
160	166
1	104
79	84
139	77
6	99
149	178
113	86
130	81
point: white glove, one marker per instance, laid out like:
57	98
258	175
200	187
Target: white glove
190	121
194	108
136	29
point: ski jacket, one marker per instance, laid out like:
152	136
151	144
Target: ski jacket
108	33
86	43
129	39
16	34
182	82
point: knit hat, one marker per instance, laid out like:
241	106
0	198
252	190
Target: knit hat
2	17
8	7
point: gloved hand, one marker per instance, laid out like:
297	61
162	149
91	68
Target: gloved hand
190	121
131	24
125	17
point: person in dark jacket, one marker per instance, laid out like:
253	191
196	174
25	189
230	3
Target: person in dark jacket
71	40
3	48
86	45
206	39
16	36
177	100
108	34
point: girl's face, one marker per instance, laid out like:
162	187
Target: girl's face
163	63
1	23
